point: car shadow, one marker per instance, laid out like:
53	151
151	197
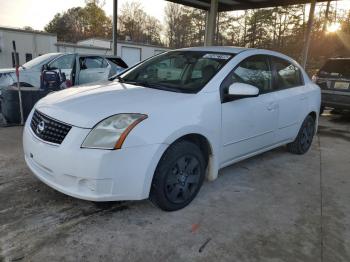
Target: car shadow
339	117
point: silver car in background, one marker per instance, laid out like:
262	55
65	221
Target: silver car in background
78	69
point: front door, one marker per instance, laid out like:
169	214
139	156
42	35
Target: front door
64	64
249	124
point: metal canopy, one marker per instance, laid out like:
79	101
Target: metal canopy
213	7
231	5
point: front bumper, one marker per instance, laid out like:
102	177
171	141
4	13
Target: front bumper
336	99
92	174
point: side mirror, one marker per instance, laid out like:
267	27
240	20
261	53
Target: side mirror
241	90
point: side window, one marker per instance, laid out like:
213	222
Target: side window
63	62
287	74
92	62
104	63
254	70
29	57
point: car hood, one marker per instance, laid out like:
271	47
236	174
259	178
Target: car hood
7	77
7	70
85	106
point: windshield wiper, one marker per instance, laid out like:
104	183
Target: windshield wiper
116	76
120	79
145	84
157	86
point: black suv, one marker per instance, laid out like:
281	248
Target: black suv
334	80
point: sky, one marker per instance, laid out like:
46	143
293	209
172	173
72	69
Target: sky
37	13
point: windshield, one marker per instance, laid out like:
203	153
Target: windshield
336	68
178	71
40	60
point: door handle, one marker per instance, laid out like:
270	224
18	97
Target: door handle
271	106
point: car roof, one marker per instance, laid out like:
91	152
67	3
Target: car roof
236	50
52	54
225	49
84	54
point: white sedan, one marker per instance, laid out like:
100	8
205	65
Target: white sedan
162	127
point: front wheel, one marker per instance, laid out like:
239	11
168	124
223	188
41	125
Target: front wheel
304	139
178	177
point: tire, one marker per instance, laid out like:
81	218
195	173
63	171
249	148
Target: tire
304	139
179	176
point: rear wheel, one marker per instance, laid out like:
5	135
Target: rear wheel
304	139
178	177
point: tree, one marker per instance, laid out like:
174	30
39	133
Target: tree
136	25
28	28
97	23
185	26
259	26
80	23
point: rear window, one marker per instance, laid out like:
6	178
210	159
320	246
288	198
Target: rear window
287	74
336	68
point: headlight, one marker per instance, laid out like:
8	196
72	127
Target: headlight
111	132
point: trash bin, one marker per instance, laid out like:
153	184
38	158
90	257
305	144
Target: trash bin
10	102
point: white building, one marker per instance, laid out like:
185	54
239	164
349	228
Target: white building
130	52
31	44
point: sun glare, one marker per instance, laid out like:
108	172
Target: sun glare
332	28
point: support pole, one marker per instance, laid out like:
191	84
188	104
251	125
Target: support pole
211	23
18	84
308	33
326	17
115	27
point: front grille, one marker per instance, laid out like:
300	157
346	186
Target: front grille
48	129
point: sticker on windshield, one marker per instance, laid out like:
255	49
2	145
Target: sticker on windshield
217	56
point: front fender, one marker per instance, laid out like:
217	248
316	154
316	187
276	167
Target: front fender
213	140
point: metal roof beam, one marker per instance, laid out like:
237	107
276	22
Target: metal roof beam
232	5
193	3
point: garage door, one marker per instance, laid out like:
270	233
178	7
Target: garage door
131	55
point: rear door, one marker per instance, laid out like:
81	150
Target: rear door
92	69
291	98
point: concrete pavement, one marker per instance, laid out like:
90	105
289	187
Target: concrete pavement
273	207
